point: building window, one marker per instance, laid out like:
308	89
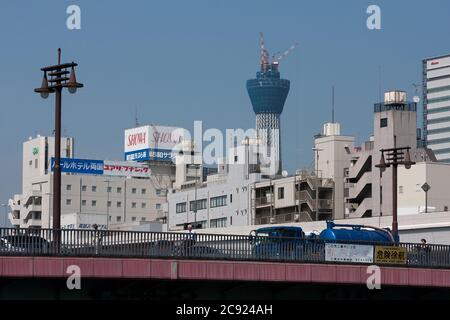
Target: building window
83	202
445	208
143	191
158	206
180	207
158	192
218	223
201	204
109	204
83	188
94	189
218	201
133	204
143	219
68	187
118	218
93	203
383	122
133	191
36	163
119	190
281	193
231	221
235	159
119	204
231	198
68	202
400	189
109	189
133	219
144	205
30	163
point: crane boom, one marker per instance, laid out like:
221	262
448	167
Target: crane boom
285	53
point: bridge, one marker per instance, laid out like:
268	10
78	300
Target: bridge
145	264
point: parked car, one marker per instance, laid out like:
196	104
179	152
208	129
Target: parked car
24	243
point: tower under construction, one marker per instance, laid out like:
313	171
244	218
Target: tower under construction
268	93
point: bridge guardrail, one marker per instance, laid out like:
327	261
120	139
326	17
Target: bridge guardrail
138	244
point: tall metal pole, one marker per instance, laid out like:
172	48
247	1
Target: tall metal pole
317	184
57	168
195	201
394	200
107	205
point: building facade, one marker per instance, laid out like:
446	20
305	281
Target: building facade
369	189
121	194
436	106
333	156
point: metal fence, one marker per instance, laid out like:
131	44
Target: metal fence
135	244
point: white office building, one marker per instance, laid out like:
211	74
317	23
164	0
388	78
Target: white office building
107	193
436	106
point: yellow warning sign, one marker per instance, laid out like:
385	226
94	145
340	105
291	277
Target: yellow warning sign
391	255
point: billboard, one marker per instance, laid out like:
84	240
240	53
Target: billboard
100	167
125	169
152	142
390	255
337	252
83	166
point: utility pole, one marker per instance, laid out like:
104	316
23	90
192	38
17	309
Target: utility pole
394	158
58	80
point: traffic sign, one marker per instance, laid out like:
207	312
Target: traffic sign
426	187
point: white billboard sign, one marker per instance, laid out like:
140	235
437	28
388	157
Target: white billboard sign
125	169
152	142
338	252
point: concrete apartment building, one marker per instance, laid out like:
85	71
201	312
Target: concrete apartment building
238	195
220	201
123	191
369	190
436	106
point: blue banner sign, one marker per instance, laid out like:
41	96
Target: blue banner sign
85	166
149	154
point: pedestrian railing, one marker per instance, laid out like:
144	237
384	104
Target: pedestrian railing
136	244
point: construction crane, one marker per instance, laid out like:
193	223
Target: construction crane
264	52
276	58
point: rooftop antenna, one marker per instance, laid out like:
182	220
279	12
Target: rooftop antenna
136	117
332	105
416	98
379	84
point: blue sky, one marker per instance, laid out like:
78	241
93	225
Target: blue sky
180	61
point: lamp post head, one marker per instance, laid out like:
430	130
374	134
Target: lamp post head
73	85
44	90
407	162
382	165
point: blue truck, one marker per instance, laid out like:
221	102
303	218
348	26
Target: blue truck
291	242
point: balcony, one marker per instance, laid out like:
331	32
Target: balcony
263	201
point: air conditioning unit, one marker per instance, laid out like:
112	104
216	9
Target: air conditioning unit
272	220
297	217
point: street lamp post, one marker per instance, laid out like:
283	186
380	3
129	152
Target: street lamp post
54	84
107	204
395	157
